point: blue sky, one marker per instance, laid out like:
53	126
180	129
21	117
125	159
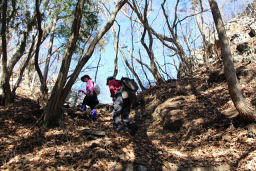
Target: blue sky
157	22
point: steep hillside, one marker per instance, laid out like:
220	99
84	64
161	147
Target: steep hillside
193	119
183	125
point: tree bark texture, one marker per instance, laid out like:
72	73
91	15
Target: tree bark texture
5	90
39	41
53	115
116	45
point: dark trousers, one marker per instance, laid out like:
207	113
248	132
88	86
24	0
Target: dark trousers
91	100
121	109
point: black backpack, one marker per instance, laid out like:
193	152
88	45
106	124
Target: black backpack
130	84
131	87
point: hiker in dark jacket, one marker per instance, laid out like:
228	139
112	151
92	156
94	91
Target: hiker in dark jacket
121	104
90	98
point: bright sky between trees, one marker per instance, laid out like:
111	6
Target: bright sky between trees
130	34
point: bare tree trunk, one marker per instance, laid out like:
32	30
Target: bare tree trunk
245	109
43	87
200	24
115	42
47	62
28	76
131	69
23	67
156	74
149	83
97	69
116	45
142	65
5	90
53	115
186	64
116	39
149	50
1	19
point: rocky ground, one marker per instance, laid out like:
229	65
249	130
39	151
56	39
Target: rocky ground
189	124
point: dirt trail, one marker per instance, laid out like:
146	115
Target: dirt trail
182	126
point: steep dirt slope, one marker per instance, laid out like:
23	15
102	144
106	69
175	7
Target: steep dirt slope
183	125
192	120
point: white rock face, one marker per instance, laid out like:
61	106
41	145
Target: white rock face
241	33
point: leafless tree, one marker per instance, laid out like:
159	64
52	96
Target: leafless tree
44	89
200	23
24	65
148	47
118	47
245	109
171	42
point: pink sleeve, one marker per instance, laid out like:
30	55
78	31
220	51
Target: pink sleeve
90	86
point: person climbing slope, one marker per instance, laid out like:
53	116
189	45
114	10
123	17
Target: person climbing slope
90	98
121	106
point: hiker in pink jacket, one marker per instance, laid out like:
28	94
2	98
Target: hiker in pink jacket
121	107
90	98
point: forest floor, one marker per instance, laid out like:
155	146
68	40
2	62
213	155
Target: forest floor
186	124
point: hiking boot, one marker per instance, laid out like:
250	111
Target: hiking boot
120	128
